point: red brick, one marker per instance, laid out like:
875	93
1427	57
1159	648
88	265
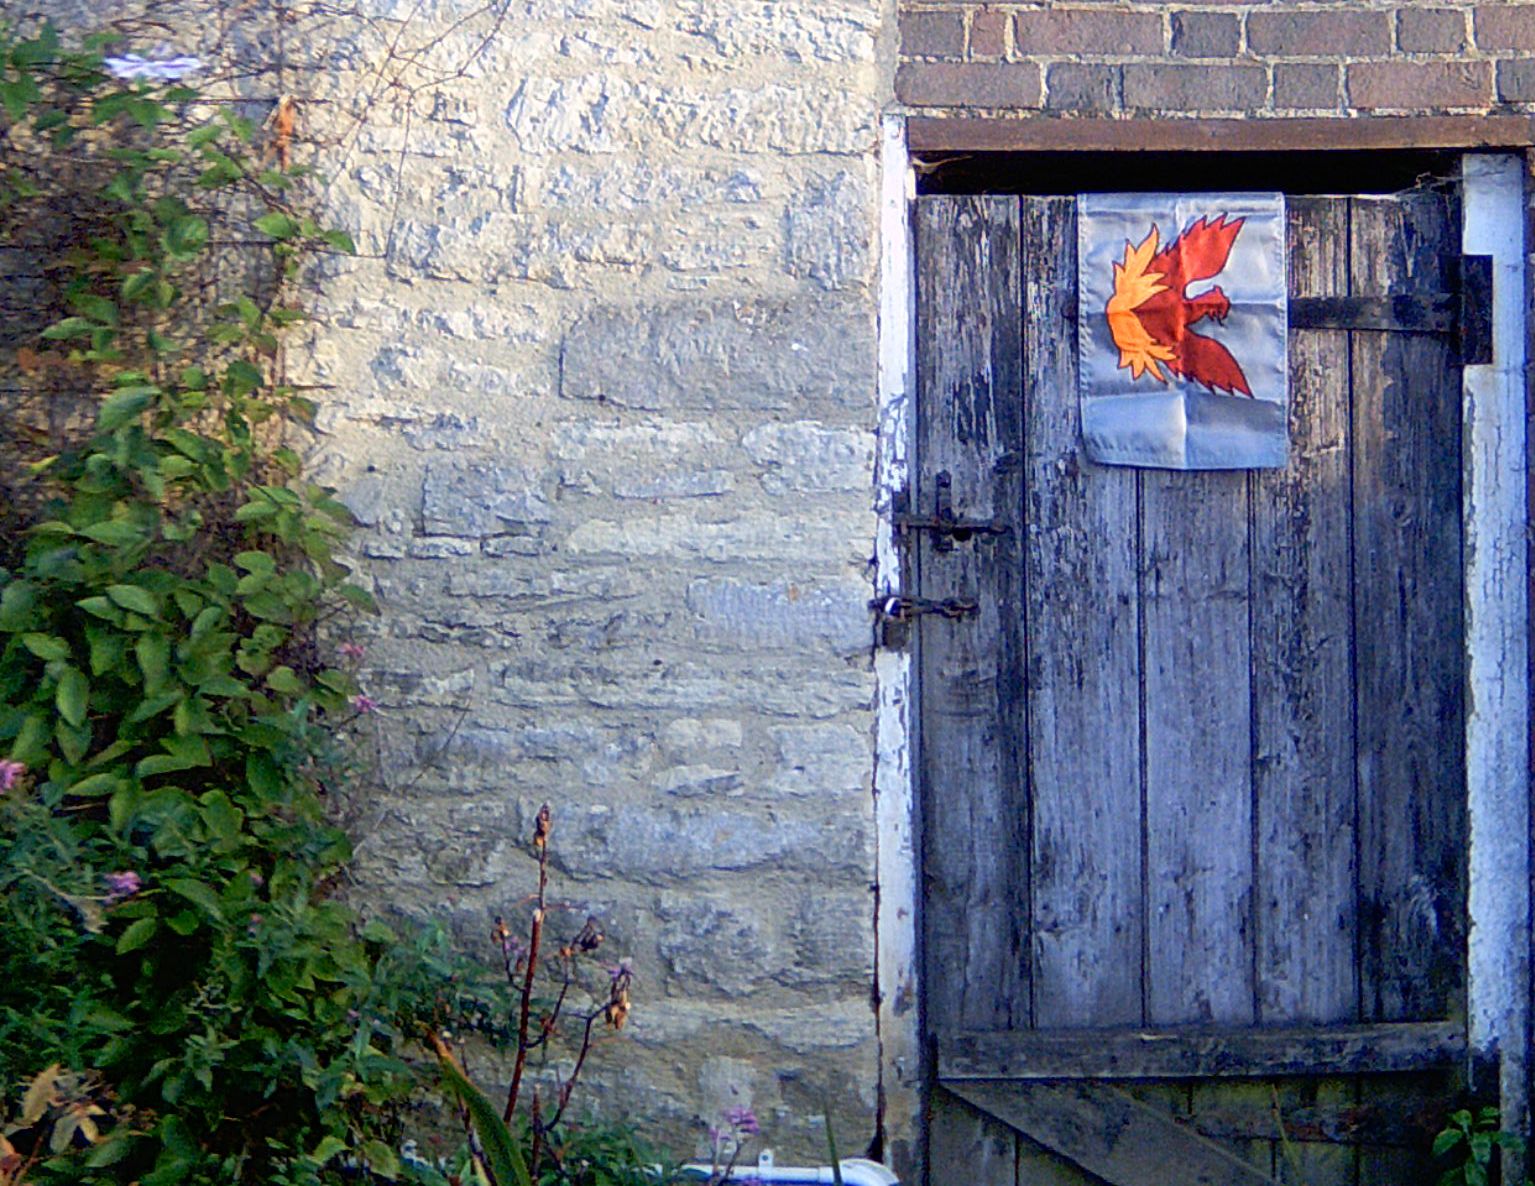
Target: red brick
1420	86
1206	34
1074	86
1516	81
1505	26
1305	86
1430	30
1196	88
1087	31
988	34
971	84
1332	33
933	34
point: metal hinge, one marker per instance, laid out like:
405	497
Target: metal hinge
1464	313
942	524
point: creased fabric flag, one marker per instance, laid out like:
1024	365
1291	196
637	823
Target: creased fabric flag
1181	329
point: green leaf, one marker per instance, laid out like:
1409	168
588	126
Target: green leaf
100	607
74	741
115	533
222	817
241	377
96	784
73	696
186	236
381	1160
1447	1140
256	562
153	652
17	95
124	407
31	744
136	599
328	1148
284	681
278	225
341	241
97	308
501	1152
46	647
69	327
199	893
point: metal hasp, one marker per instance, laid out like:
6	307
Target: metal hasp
894	614
1464	313
944	525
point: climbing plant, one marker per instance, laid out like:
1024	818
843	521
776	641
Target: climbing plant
182	999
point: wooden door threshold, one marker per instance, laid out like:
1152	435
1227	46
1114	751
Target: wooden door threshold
1200	1053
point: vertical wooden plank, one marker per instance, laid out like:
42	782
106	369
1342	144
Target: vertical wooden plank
1408	625
1198	746
975	808
966	1145
1302	624
1083	665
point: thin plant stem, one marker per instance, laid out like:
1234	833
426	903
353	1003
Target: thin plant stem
541	843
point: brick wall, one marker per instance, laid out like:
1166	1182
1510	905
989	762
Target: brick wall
1218	58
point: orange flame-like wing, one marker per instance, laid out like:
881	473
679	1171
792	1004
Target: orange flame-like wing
1198	254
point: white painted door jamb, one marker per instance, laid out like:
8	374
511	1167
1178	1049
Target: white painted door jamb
1497	637
894	796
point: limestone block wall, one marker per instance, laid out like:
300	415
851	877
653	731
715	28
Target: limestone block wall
1214	57
600	388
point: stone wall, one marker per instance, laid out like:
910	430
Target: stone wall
604	401
600	388
1218	57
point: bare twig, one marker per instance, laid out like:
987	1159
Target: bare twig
535	933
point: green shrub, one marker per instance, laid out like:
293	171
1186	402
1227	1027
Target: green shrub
167	720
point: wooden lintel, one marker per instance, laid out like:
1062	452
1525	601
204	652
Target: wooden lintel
1111	1134
1056	134
1199	1054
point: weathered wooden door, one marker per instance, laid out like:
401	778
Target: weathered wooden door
1191	774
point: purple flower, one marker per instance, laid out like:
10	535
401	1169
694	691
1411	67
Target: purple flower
160	68
743	1121
9	772
364	704
122	885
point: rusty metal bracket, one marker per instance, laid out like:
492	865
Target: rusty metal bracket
1463	312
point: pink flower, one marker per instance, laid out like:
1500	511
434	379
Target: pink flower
364	704
9	772
744	1121
353	651
122	885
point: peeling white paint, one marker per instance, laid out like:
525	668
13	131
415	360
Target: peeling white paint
1497	711
899	1035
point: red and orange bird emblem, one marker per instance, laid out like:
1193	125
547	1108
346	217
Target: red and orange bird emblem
1151	315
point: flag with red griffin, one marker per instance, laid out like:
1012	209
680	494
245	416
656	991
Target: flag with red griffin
1177	371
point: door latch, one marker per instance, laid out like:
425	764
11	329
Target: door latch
942	524
893	615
